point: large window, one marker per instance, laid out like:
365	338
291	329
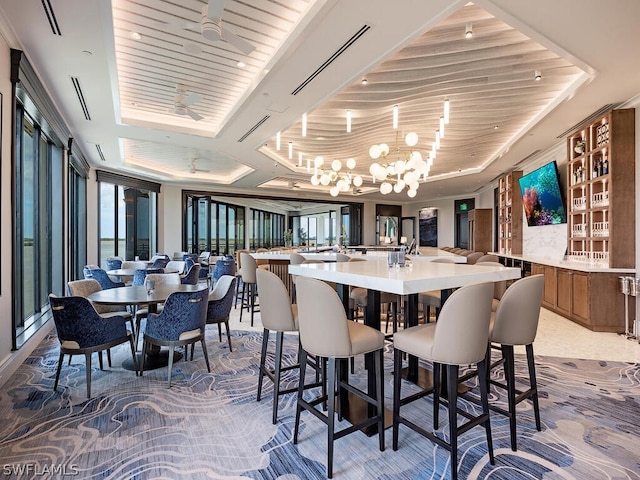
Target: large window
267	229
212	226
128	218
39	221
77	222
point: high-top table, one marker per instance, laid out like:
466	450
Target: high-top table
377	276
137	295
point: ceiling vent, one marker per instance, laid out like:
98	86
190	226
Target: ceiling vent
51	17
81	99
254	128
332	58
587	120
100	153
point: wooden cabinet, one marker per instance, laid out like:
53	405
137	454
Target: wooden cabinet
510	214
480	231
550	289
591	299
601	191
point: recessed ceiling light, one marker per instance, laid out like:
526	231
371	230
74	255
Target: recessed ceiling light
135	35
468	31
364	81
495	127
241	64
537	76
87	53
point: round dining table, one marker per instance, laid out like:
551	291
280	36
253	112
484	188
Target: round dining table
138	295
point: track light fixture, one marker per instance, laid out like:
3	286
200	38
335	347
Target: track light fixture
537	76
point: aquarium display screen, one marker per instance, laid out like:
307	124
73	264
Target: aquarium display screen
541	196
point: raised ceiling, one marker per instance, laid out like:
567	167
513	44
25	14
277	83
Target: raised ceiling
176	107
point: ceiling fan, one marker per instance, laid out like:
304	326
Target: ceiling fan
212	29
183	100
194	169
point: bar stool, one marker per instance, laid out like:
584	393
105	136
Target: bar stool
458	338
499	287
278	315
515	322
432	298
326	332
249	285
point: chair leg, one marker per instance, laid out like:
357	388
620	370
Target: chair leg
100	360
144	355
244	291
252	290
133	354
263	358
452	397
397	383
533	382
205	353
109	357
509	374
87	357
303	371
60	359
226	324
276	375
437	369
170	366
484	398
219	333
331	378
378	365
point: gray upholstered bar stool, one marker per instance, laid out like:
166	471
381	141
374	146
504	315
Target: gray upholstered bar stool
499	287
516	323
249	285
294	259
278	315
473	257
459	337
326	332
432	298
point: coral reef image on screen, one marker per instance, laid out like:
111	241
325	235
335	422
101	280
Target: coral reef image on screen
541	196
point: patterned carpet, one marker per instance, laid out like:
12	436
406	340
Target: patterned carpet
210	425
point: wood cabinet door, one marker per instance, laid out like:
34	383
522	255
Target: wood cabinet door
564	292
580	300
549	297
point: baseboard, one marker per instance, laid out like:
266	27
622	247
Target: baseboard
16	358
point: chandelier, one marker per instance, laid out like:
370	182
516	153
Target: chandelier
340	180
400	168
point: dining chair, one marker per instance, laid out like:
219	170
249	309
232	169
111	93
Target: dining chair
294	259
82	331
223	266
102	278
326	332
85	287
133	265
515	322
219	305
177	265
160	261
458	338
192	275
140	275
249	285
181	323
159	279
113	263
490	257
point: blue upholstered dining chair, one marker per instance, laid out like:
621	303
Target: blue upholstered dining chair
81	330
103	279
113	263
140	275
192	275
181	323
223	266
220	302
160	262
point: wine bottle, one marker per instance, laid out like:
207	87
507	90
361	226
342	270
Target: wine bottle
594	174
605	166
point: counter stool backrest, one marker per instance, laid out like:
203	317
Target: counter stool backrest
276	311
164	278
249	267
516	320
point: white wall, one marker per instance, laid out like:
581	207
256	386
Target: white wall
446	218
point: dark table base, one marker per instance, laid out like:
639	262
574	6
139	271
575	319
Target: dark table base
357	411
152	362
425	380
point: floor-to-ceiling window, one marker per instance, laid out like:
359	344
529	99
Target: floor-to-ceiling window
77	221
128	217
267	229
39	221
211	225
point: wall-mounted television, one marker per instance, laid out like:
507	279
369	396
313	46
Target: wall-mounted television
542	198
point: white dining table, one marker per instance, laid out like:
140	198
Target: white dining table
377	276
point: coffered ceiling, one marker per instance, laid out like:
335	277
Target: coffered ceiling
166	102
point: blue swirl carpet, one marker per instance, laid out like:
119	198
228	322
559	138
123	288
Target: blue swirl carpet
209	426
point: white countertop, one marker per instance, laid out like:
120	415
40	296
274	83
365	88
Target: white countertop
568	264
419	277
427	254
